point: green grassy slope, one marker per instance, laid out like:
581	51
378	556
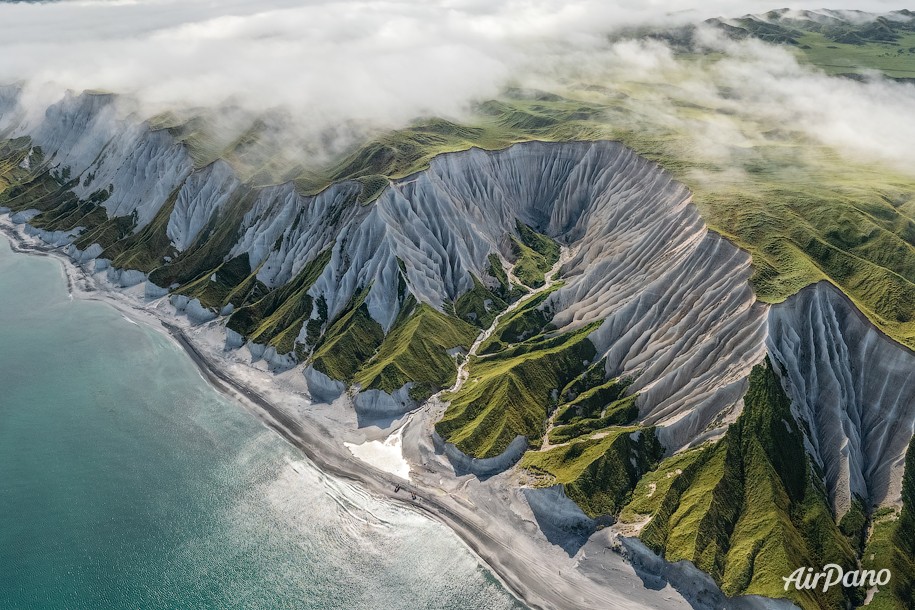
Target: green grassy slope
598	472
749	509
527	379
350	341
891	546
480	306
512	392
895	58
416	349
521	324
648	497
596	408
535	255
277	317
835	44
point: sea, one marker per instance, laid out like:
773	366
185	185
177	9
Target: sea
126	481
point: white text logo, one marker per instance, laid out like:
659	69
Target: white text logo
832	575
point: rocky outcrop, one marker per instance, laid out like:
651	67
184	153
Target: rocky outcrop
854	389
560	519
86	137
378	403
482	467
283	231
321	387
692	583
196	313
203	195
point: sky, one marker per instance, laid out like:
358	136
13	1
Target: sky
387	62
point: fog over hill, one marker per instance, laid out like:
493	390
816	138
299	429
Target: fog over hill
331	68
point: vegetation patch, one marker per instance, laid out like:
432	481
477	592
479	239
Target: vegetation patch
599	414
527	320
479	306
504	288
535	254
749	510
350	342
417	349
512	393
651	490
891	545
599	472
278	316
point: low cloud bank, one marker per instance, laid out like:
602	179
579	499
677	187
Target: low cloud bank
383	63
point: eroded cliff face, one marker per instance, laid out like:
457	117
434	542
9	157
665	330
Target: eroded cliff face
852	387
676	307
671	302
83	136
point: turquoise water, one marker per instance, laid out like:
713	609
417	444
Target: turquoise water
127	482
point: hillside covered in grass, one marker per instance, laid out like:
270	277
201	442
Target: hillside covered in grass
749	509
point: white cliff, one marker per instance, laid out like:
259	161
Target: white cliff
676	306
674	303
204	194
284	230
852	387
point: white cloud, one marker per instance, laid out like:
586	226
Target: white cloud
384	62
757	88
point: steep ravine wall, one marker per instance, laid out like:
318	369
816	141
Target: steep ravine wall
854	389
679	313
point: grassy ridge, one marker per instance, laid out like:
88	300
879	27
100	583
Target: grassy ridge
349	342
535	255
834	43
479	305
416	349
748	510
512	392
597	408
519	325
599	472
891	545
278	317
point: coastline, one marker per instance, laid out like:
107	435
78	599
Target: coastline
490	517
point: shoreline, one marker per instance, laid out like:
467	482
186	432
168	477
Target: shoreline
506	541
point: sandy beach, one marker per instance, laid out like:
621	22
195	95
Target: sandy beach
491	516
